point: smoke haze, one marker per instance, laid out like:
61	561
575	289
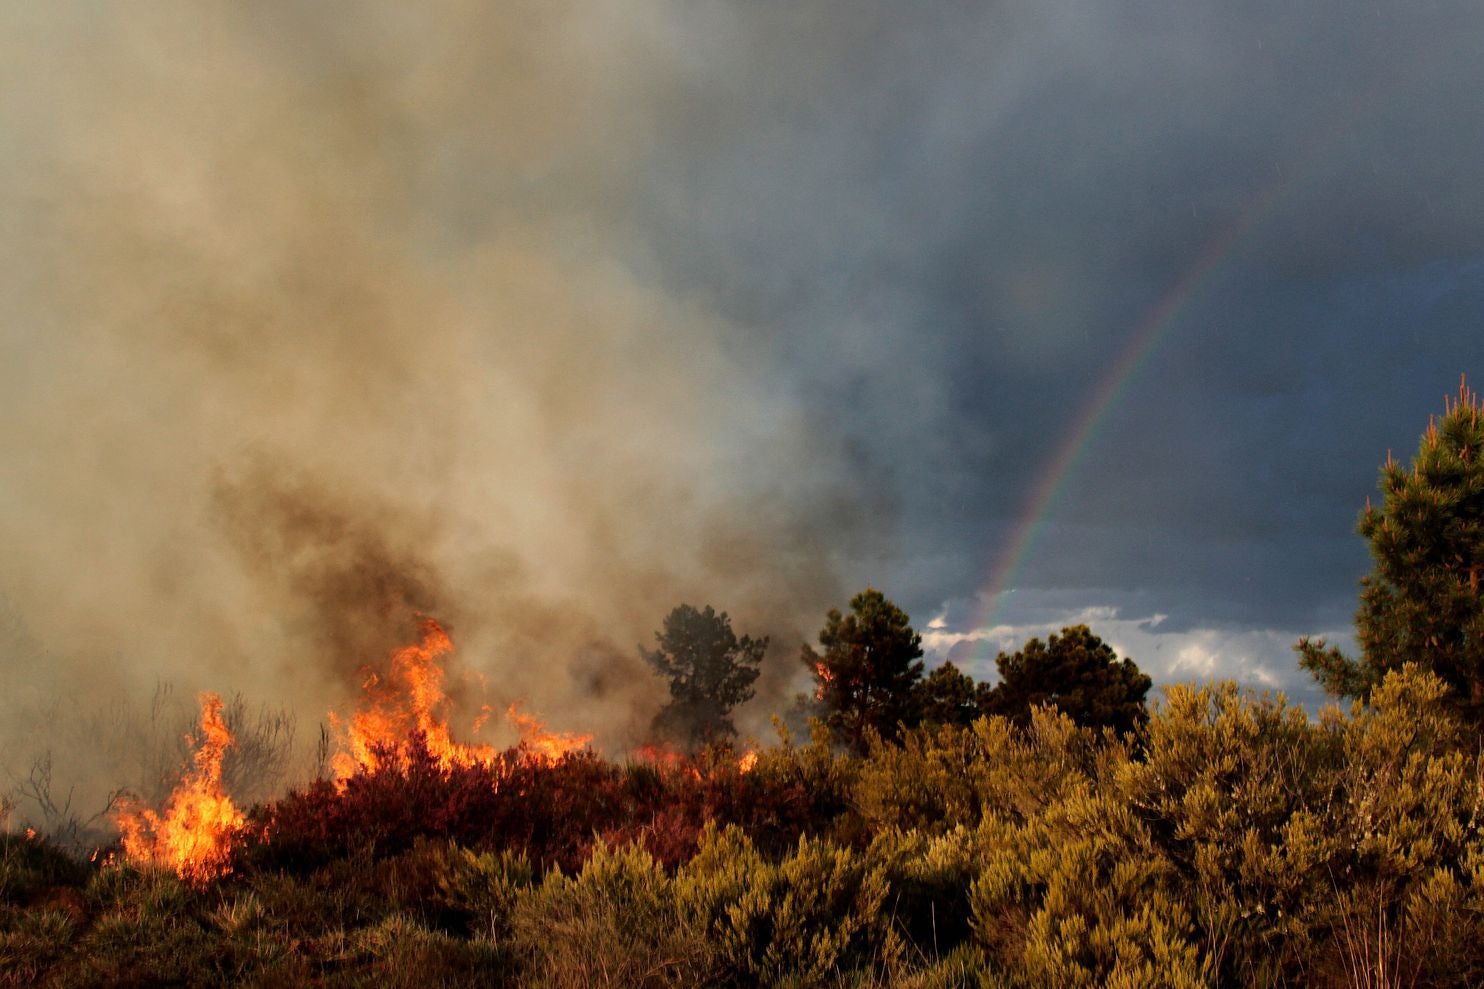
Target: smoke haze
317	322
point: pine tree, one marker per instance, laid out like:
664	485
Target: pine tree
710	670
1421	603
866	678
1075	672
949	696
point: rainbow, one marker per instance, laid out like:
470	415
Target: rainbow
1086	427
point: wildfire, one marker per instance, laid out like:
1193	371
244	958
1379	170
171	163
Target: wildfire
196	833
410	700
665	757
825	675
548	745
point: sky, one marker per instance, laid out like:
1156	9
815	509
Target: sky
542	318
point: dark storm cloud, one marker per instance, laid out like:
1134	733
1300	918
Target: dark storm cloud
947	219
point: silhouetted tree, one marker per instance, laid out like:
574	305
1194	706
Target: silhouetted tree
869	669
1077	673
1422	601
948	696
710	670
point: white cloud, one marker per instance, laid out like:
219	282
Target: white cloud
1260	658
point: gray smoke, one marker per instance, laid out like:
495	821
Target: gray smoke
318	321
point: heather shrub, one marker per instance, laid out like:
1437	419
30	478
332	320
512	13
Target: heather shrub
795	790
548	810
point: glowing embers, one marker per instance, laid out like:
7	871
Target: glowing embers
407	706
196	833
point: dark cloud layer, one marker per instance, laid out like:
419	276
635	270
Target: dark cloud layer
949	219
547	317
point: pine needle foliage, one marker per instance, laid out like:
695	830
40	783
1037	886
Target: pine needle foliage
1422	602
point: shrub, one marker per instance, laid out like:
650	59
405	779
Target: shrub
1081	897
613	924
818	911
29	863
1233	788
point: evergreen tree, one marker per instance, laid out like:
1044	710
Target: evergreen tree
1421	602
948	696
867	674
1077	673
710	670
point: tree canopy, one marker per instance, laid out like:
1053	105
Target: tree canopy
710	670
948	696
866	675
1078	674
1421	602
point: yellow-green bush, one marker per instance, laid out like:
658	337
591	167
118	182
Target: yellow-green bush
795	922
1080	896
615	923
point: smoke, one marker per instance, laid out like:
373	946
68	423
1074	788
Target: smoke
322	319
547	317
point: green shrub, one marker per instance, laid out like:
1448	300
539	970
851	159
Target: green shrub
613	924
30	862
929	878
821	910
482	887
924	784
1019	773
1081	897
1409	882
1234	787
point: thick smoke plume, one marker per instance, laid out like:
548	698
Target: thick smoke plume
318	319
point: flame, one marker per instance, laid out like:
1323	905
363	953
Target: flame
660	755
196	833
548	745
408	700
666	757
826	675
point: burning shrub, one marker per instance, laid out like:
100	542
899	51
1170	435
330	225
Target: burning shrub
200	825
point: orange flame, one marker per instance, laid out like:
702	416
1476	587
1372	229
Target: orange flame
408	699
825	675
548	745
747	762
200	824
